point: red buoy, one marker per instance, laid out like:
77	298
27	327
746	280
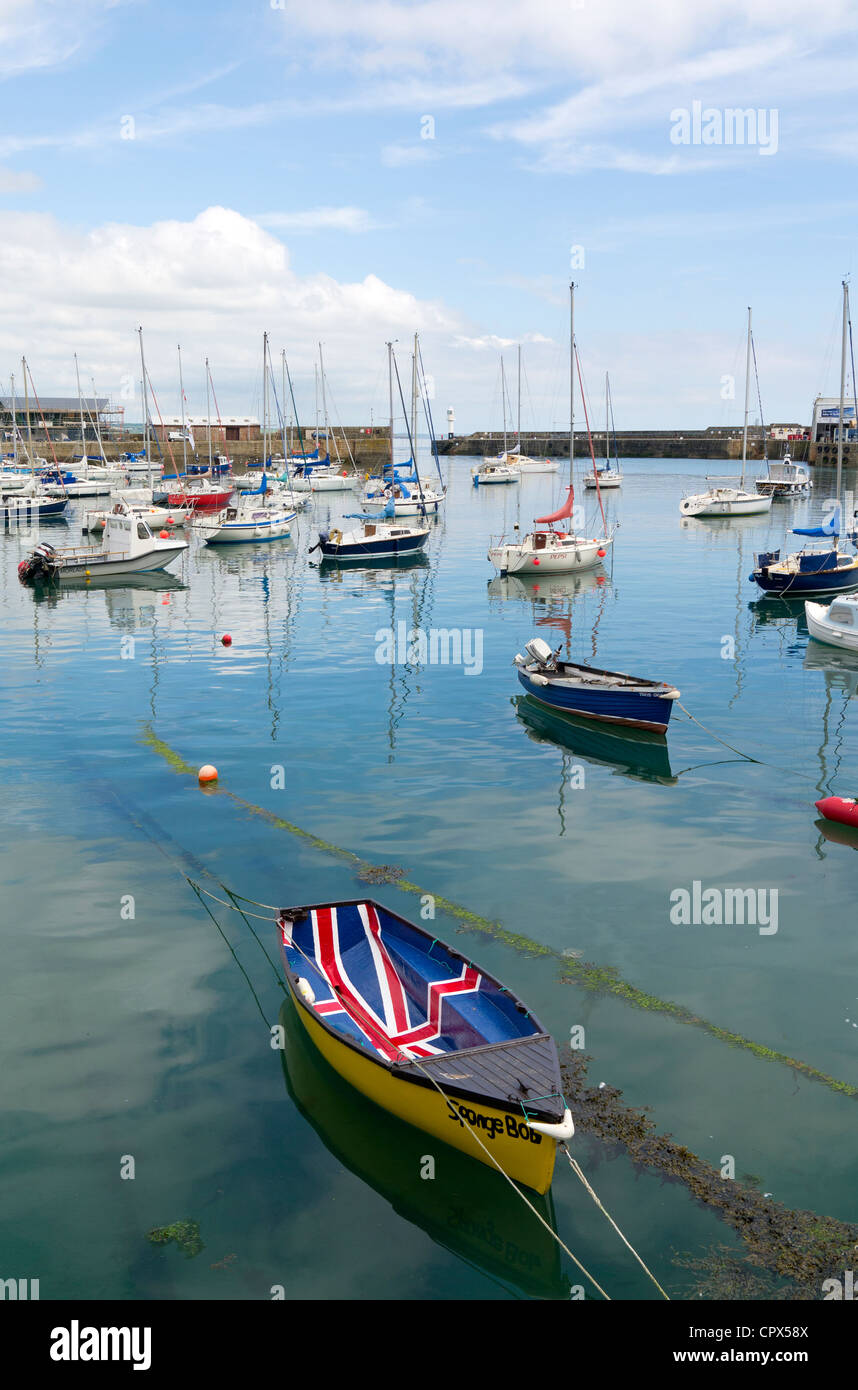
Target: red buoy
207	773
165	535
839	808
536	562
226	640
601	554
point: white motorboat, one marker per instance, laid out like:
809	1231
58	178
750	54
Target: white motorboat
155	517
836	623
409	499
786	479
128	547
527	465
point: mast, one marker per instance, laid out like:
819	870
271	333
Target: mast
264	400
503	403
97	423
145	407
842	391
83	459
184	426
316	390
325	411
607	424
27	409
518	409
747	399
14	427
390	393
208	417
287	448
571	378
414	407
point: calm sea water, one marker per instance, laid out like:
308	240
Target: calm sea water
146	1037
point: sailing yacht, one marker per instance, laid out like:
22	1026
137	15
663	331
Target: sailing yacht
732	501
609	476
822	568
551	551
514	457
401	483
502	468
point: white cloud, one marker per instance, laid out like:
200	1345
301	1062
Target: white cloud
38	34
343	219
13	181
395	156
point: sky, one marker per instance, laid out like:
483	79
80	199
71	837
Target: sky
348	172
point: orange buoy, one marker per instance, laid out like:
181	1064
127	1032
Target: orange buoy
207	773
165	535
226	640
601	554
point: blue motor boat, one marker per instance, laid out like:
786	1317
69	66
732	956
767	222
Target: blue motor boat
609	696
28	507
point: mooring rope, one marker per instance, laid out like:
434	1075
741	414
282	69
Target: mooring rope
576	1168
746	757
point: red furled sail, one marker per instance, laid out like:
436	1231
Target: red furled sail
564	512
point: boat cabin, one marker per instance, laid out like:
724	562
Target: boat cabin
842	612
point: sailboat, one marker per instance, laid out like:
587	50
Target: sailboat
379	537
732	501
823	568
321	475
609	476
25	501
500	469
514	456
401	483
551	551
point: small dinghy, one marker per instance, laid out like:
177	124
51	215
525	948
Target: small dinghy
837	624
427	1035
610	696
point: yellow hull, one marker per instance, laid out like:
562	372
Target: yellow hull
523	1153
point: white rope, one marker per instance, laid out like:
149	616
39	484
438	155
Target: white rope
576	1168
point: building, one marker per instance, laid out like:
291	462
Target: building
226	429
826	413
60	414
788	432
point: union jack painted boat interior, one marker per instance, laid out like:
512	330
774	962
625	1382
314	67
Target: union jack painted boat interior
427	1034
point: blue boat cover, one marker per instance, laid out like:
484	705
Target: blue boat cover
828	528
257	491
389	513
385	985
815	564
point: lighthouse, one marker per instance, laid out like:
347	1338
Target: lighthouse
451	421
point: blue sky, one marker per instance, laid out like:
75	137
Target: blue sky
276	178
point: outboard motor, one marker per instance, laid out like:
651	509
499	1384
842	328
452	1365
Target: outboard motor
540	652
40	566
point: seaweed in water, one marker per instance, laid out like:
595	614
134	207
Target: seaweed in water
380	873
801	1247
186	1234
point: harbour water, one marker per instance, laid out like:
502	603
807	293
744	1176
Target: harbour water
136	1027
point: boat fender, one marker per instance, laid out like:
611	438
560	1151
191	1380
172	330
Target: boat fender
561	1132
539	680
305	990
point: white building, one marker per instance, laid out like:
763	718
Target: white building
826	413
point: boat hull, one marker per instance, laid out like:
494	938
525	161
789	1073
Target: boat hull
830	633
134	564
819	582
631	709
27	509
512	559
840	809
750	506
200	501
244	534
391	548
525	1155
